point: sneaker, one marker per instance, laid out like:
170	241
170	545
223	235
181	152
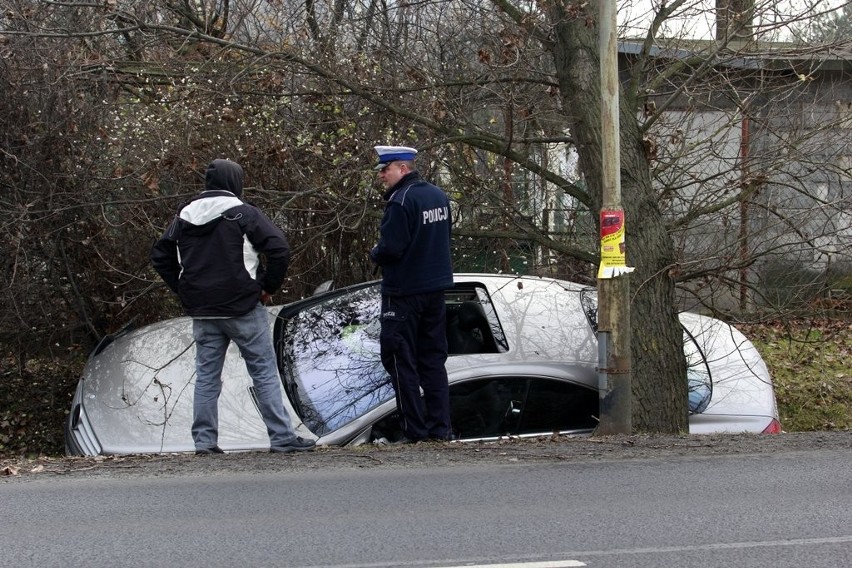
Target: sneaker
208	451
299	444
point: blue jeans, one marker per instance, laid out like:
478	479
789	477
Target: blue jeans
252	335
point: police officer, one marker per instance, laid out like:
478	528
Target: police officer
414	254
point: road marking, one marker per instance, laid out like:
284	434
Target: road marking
472	564
549	564
716	546
601	553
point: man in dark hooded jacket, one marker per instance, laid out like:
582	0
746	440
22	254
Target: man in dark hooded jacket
210	257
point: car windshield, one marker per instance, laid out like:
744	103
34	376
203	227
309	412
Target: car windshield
332	359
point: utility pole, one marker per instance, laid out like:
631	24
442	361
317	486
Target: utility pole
614	359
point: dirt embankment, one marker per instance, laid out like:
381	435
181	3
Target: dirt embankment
559	449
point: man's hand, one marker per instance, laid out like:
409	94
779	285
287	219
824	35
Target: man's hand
265	298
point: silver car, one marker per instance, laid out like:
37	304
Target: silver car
523	357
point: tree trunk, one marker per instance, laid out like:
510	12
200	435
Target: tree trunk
659	368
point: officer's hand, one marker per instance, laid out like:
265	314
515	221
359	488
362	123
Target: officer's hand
265	298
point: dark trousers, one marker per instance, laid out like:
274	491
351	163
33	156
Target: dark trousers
414	351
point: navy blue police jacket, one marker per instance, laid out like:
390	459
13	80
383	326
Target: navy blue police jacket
414	239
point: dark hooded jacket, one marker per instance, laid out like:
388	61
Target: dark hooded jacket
414	241
209	254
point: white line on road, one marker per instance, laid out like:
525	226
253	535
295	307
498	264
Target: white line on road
471	564
716	546
613	552
549	564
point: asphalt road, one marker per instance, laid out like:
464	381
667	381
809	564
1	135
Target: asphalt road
374	509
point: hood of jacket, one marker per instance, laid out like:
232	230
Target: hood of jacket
224	175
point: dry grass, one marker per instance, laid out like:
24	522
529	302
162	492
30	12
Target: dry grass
811	365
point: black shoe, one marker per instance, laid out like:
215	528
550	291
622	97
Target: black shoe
297	445
207	451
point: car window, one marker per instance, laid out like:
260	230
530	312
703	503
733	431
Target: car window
472	323
555	406
483	408
332	359
500	406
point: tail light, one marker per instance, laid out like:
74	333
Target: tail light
773	428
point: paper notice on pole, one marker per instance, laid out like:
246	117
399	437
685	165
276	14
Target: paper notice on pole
613	249
613	271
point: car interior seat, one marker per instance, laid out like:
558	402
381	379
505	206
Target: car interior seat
468	330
